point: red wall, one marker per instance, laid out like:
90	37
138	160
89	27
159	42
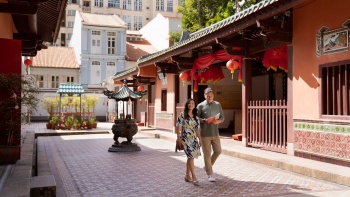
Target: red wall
11	62
308	20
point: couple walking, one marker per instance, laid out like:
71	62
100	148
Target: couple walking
196	131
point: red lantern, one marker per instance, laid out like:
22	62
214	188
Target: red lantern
183	76
140	88
28	62
232	65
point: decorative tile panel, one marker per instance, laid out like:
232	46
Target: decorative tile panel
324	139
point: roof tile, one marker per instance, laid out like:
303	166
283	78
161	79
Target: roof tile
56	57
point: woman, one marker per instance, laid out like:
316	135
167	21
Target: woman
188	130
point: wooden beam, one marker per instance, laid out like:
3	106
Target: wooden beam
225	42
18	9
26	37
29	44
234	52
179	59
280	37
258	46
184	66
168	67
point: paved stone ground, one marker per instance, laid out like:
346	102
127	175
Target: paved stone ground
83	166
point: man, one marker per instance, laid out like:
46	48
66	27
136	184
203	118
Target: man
210	131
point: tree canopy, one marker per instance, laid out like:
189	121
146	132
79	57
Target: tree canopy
197	14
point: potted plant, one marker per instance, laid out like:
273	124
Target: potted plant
49	104
93	122
16	91
56	121
69	122
76	124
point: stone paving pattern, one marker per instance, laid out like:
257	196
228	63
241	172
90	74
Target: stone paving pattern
82	166
86	168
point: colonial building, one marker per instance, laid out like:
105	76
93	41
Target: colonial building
51	67
135	13
99	42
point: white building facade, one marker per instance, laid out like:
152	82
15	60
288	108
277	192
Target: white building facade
135	13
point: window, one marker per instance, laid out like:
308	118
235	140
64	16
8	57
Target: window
160	5
138	5
95	42
63	22
95	72
71	12
98	3
114	3
73	1
127	4
40	81
63	39
69	36
86	4
110	69
169	6
54	81
164	99
127	20
335	89
70	79
111	42
137	22
70	24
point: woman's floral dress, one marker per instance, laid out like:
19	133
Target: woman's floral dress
189	127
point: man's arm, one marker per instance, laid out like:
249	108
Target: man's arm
199	114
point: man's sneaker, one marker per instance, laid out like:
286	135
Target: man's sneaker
211	179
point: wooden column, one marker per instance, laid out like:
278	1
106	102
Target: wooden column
149	99
246	96
290	129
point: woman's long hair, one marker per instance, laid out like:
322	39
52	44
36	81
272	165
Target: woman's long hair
194	111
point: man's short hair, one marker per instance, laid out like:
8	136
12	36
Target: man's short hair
207	90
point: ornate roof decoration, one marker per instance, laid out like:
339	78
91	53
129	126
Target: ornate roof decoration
124	94
66	88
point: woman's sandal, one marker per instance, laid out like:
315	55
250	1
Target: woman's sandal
196	183
187	179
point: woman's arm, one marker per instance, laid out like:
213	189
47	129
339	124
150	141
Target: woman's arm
178	131
198	133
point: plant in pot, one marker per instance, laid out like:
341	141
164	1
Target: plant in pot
16	91
69	122
56	122
76	124
49	104
93	122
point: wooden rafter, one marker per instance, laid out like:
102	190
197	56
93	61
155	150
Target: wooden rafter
18	9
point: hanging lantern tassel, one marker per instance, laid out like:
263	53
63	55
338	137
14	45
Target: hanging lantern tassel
129	101
140	101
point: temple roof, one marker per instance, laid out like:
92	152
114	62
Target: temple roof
125	94
66	88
